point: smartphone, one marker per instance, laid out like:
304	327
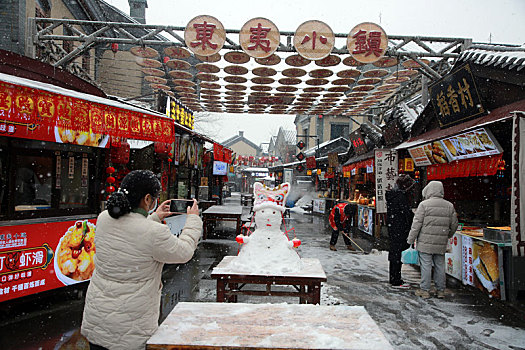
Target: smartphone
179	206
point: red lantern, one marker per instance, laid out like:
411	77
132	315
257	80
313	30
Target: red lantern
170	160
110	170
166	59
170	155
110	189
114	47
110	180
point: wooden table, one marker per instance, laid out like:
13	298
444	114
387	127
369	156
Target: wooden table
221	213
307	282
267	326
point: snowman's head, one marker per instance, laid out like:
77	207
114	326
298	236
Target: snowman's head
268	218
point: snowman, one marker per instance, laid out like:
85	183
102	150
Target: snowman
268	250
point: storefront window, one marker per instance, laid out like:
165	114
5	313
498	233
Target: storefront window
33	182
73	186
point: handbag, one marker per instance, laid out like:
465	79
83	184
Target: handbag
410	256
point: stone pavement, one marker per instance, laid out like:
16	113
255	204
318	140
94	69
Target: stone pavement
465	319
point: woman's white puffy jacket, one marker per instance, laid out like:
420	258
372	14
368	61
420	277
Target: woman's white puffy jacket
123	298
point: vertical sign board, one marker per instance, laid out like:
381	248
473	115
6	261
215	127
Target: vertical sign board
455	97
467	273
358	142
288	175
386	174
453	257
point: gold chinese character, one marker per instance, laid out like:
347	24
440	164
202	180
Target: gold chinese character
464	92
444	109
453	98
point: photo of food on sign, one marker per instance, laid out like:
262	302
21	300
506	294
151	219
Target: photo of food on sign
75	252
435	152
81	138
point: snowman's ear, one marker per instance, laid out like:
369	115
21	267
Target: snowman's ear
257	187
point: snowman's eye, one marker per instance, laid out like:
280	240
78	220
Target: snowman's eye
262	196
274	211
279	197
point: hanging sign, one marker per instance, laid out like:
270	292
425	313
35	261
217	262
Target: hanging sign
472	144
333	159
259	37
314	40
367	42
204	35
357	140
455	98
311	163
386	174
179	113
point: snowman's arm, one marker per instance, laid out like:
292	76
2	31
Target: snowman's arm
242	239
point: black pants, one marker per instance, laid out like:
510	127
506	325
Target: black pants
395	272
96	347
335	236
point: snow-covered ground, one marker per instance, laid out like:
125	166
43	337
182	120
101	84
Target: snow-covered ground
465	319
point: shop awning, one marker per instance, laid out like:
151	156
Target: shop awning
30	109
496	115
367	155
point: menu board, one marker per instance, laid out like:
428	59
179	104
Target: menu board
472	144
428	154
476	143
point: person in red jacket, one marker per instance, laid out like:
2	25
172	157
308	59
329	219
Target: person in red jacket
341	218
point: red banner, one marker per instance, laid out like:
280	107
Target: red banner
218	152
37	114
39	257
485	166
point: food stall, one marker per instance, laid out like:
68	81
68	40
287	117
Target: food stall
55	169
474	160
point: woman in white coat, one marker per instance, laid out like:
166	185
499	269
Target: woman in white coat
123	297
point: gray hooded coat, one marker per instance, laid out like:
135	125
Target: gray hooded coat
435	221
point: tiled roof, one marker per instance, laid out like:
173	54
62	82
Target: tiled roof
503	56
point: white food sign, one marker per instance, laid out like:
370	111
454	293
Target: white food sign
386	163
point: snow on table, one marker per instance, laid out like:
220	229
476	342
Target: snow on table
268	326
224	209
311	268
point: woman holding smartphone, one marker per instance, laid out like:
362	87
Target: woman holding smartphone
132	246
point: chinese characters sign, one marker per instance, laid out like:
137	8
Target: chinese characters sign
367	42
357	140
259	37
41	115
38	257
455	98
205	35
311	163
179	114
314	40
386	174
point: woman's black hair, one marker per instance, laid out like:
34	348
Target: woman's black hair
135	186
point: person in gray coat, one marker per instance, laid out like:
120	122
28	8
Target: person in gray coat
132	245
435	221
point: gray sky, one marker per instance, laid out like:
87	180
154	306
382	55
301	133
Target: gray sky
499	21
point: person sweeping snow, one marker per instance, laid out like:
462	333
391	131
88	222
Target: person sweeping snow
341	217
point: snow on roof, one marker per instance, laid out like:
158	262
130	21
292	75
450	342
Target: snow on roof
509	57
324	144
71	93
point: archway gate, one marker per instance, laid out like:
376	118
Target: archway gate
285	82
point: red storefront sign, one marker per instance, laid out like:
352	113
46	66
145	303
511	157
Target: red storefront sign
39	257
311	163
485	166
41	115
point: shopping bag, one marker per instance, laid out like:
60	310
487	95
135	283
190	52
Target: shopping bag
410	256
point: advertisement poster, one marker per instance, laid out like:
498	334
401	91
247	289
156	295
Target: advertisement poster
453	256
319	206
183	151
192	154
365	219
39	257
386	162
476	143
